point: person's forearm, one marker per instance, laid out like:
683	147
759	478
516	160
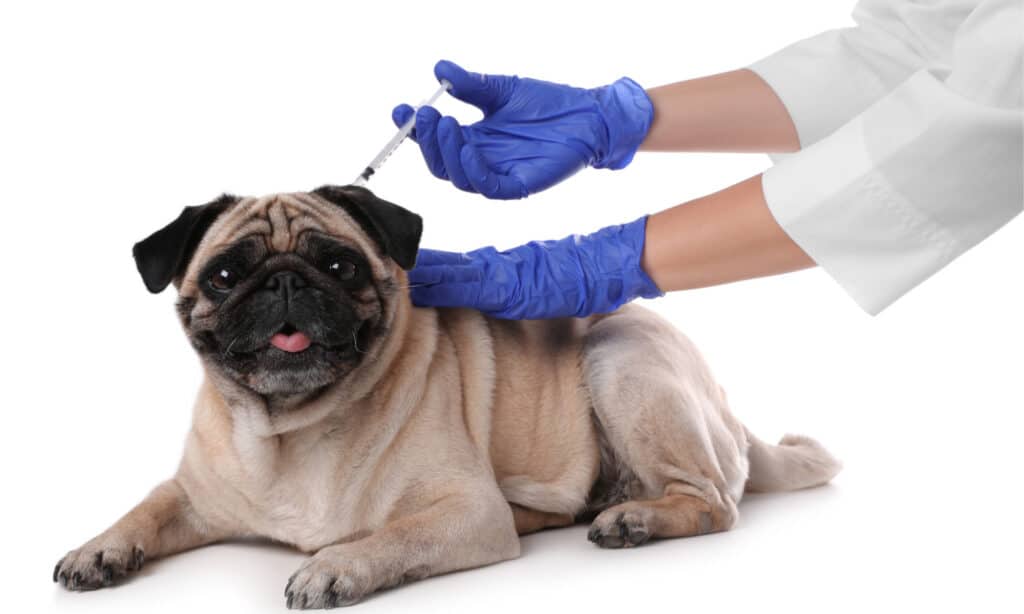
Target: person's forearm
733	111
723	237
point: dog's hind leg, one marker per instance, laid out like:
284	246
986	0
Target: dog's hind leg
672	454
680	513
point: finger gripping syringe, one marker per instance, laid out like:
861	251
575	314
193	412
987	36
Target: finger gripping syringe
395	141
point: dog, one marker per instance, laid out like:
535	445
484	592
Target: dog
396	443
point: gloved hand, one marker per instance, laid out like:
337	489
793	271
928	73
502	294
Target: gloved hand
574	276
533	134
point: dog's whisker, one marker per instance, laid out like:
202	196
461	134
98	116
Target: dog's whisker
227	350
355	343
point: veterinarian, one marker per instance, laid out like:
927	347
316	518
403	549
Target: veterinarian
906	140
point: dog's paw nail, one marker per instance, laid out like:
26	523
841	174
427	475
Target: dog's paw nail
637	537
332	600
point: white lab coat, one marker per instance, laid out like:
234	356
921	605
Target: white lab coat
912	140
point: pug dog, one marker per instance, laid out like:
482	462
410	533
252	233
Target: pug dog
395	443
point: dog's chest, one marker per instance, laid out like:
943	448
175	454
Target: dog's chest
308	500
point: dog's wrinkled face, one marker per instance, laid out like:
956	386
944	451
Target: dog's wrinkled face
289	293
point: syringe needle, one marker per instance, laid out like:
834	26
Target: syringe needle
396	140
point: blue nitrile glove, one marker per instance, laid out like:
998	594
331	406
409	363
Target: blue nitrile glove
574	276
533	134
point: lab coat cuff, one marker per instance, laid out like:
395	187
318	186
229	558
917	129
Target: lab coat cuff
833	202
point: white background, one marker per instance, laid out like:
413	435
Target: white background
114	116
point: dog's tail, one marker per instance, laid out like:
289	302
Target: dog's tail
796	462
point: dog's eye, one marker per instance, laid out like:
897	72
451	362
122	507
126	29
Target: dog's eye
344	270
223	280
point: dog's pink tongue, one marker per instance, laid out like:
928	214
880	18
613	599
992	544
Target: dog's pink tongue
295	342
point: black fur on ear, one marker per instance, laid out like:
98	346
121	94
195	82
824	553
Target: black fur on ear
164	255
395	229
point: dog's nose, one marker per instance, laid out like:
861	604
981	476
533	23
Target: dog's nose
285	283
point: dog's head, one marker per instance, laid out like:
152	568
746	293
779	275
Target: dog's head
289	293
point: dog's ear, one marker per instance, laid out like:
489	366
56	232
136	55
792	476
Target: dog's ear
164	255
395	229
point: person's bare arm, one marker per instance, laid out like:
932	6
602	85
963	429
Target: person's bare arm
734	111
723	237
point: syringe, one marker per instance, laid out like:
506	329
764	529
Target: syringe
403	132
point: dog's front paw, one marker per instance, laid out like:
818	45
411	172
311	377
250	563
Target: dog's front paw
329	581
96	565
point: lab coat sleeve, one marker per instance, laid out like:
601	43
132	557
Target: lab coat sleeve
918	177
